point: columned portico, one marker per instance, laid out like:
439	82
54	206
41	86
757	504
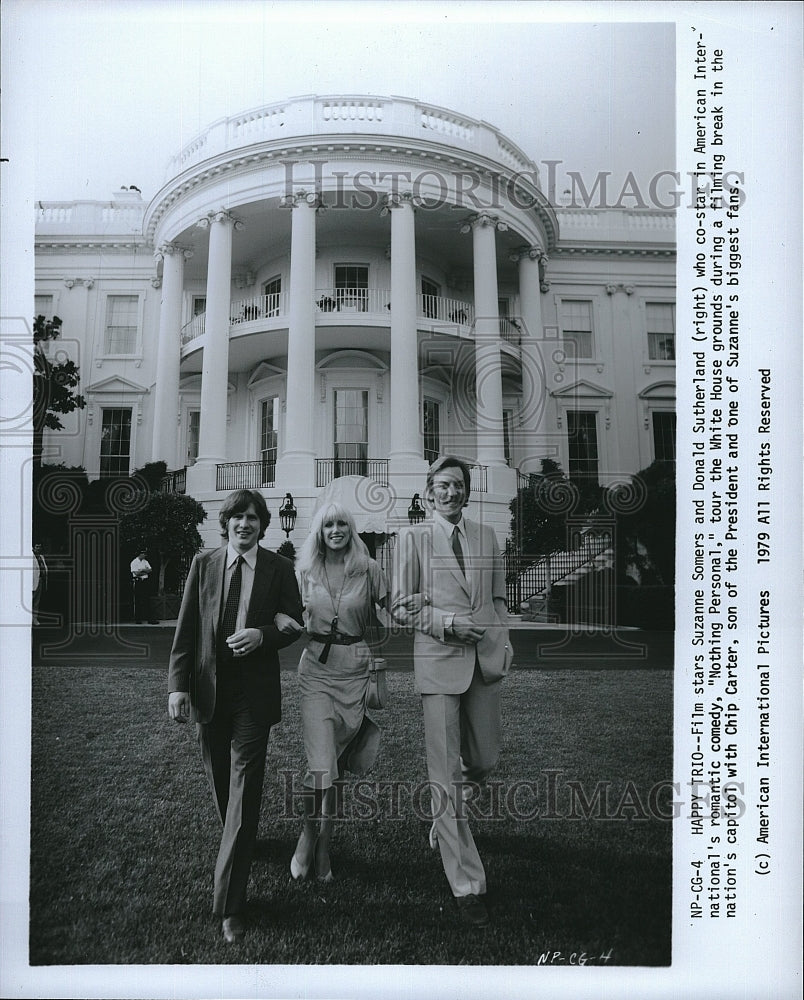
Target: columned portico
166	390
297	462
215	368
406	439
488	375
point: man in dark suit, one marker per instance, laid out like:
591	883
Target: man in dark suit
450	586
224	676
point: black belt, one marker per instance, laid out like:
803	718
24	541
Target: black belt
333	639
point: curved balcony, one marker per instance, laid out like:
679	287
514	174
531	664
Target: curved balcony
336	306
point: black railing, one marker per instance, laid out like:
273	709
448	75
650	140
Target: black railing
327	469
174	482
526	576
245	475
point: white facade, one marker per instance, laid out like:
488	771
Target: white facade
335	286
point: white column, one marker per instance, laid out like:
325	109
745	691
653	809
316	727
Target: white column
534	390
488	376
215	367
168	355
406	453
296	465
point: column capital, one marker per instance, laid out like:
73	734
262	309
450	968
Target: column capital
482	220
530	253
222	215
399	199
170	249
301	197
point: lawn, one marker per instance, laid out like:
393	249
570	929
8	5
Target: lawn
123	835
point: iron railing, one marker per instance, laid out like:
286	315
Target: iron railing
526	577
245	475
174	482
478	479
327	469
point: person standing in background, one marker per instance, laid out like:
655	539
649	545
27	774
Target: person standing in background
141	583
39	581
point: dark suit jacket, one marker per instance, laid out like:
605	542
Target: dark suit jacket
193	657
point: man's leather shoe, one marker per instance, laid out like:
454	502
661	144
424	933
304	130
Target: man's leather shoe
234	928
472	910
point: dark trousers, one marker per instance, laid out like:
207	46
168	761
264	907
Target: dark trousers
233	748
142	600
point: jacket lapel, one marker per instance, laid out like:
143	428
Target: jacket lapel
212	588
442	549
263	574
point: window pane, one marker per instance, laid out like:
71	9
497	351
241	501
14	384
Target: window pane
121	324
432	435
660	319
115	442
271	291
664	437
43	306
193	435
582	441
576	328
351	432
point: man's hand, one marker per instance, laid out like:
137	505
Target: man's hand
245	641
286	624
179	706
464	628
413	602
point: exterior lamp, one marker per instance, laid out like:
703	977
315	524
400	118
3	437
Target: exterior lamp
287	515
416	512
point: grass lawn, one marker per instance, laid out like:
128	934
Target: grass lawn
123	834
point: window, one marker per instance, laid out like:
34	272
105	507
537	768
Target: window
43	306
507	420
193	435
431	292
576	328
271	292
351	432
115	449
199	305
664	437
121	324
269	438
582	441
351	286
661	323
508	328
432	430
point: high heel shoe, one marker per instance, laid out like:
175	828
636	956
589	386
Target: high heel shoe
298	871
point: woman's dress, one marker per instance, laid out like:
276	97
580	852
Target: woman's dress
333	694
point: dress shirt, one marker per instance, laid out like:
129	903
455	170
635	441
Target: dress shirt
246	580
140	568
442	524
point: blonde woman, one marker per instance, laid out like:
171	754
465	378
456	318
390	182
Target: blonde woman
341	588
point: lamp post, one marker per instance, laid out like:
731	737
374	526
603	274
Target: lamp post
287	515
416	513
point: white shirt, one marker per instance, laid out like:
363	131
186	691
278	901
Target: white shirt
246	580
140	568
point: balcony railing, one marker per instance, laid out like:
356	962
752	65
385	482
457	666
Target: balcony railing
174	482
245	475
327	469
478	478
344	302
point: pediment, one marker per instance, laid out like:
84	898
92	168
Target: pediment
351	359
582	389
118	385
659	390
265	370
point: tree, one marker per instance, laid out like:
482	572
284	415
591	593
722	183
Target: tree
648	532
54	384
166	524
539	511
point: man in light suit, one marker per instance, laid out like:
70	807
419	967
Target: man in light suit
449	584
224	676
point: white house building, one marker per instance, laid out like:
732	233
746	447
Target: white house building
349	286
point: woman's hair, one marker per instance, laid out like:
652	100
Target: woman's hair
313	551
237	503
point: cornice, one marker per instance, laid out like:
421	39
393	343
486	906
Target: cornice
50	245
613	250
400	150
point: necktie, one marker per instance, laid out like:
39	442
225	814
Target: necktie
457	549
229	620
